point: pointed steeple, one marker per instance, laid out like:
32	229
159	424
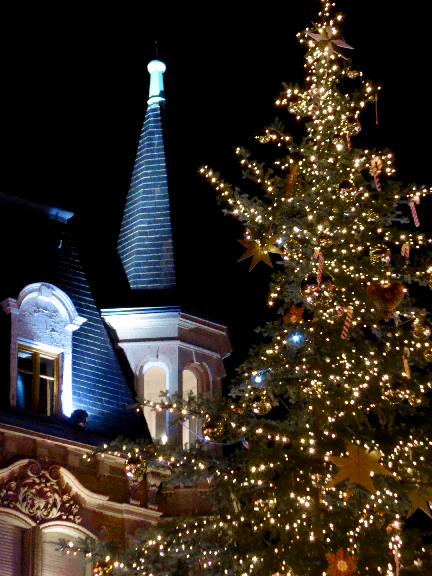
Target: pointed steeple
145	241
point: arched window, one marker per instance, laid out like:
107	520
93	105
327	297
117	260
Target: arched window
155	386
21	540
196	381
16	543
53	561
43	318
11	548
190	426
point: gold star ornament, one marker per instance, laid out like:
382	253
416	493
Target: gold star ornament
420	500
259	252
357	467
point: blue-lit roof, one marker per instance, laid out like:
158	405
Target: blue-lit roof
42	249
145	242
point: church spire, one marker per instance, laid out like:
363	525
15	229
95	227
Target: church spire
145	241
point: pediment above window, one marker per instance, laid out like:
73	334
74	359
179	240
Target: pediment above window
42	297
43	318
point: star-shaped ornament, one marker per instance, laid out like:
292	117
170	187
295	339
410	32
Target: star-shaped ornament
420	500
294	315
341	564
259	252
326	40
357	466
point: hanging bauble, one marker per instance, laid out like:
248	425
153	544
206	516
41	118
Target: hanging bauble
261	404
265	502
414	400
212	429
326	242
379	254
102	568
325	290
386	297
353	126
421	329
339	142
136	466
294	104
371	215
428	354
347	190
314	293
395	391
310	289
352	73
267	135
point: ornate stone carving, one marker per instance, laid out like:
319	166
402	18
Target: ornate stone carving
38	493
43	323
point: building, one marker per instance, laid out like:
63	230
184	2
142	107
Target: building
70	372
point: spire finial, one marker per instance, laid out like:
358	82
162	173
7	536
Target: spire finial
145	242
156	69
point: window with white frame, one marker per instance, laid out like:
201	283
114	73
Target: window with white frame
43	318
154	390
195	381
16	544
190	425
11	546
55	562
37	380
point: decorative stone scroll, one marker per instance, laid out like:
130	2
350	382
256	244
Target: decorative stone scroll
38	493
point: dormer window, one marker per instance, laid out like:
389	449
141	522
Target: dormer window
37	380
43	318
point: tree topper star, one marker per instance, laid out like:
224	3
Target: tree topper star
357	466
326	40
258	252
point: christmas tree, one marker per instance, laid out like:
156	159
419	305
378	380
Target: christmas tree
328	430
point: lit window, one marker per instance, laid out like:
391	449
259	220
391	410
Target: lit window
43	319
37	381
155	385
190	425
54	562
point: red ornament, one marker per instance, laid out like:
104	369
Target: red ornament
341	563
294	315
386	297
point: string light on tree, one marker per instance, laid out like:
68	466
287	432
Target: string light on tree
330	440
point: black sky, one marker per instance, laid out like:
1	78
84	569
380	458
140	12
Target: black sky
73	100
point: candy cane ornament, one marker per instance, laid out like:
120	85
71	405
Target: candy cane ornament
316	96
415	200
375	168
405	357
318	254
349	310
405	250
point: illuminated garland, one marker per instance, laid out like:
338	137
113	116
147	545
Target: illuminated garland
333	442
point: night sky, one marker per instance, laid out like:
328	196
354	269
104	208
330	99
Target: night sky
74	88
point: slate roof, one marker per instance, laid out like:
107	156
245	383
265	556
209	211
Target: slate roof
37	248
145	242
